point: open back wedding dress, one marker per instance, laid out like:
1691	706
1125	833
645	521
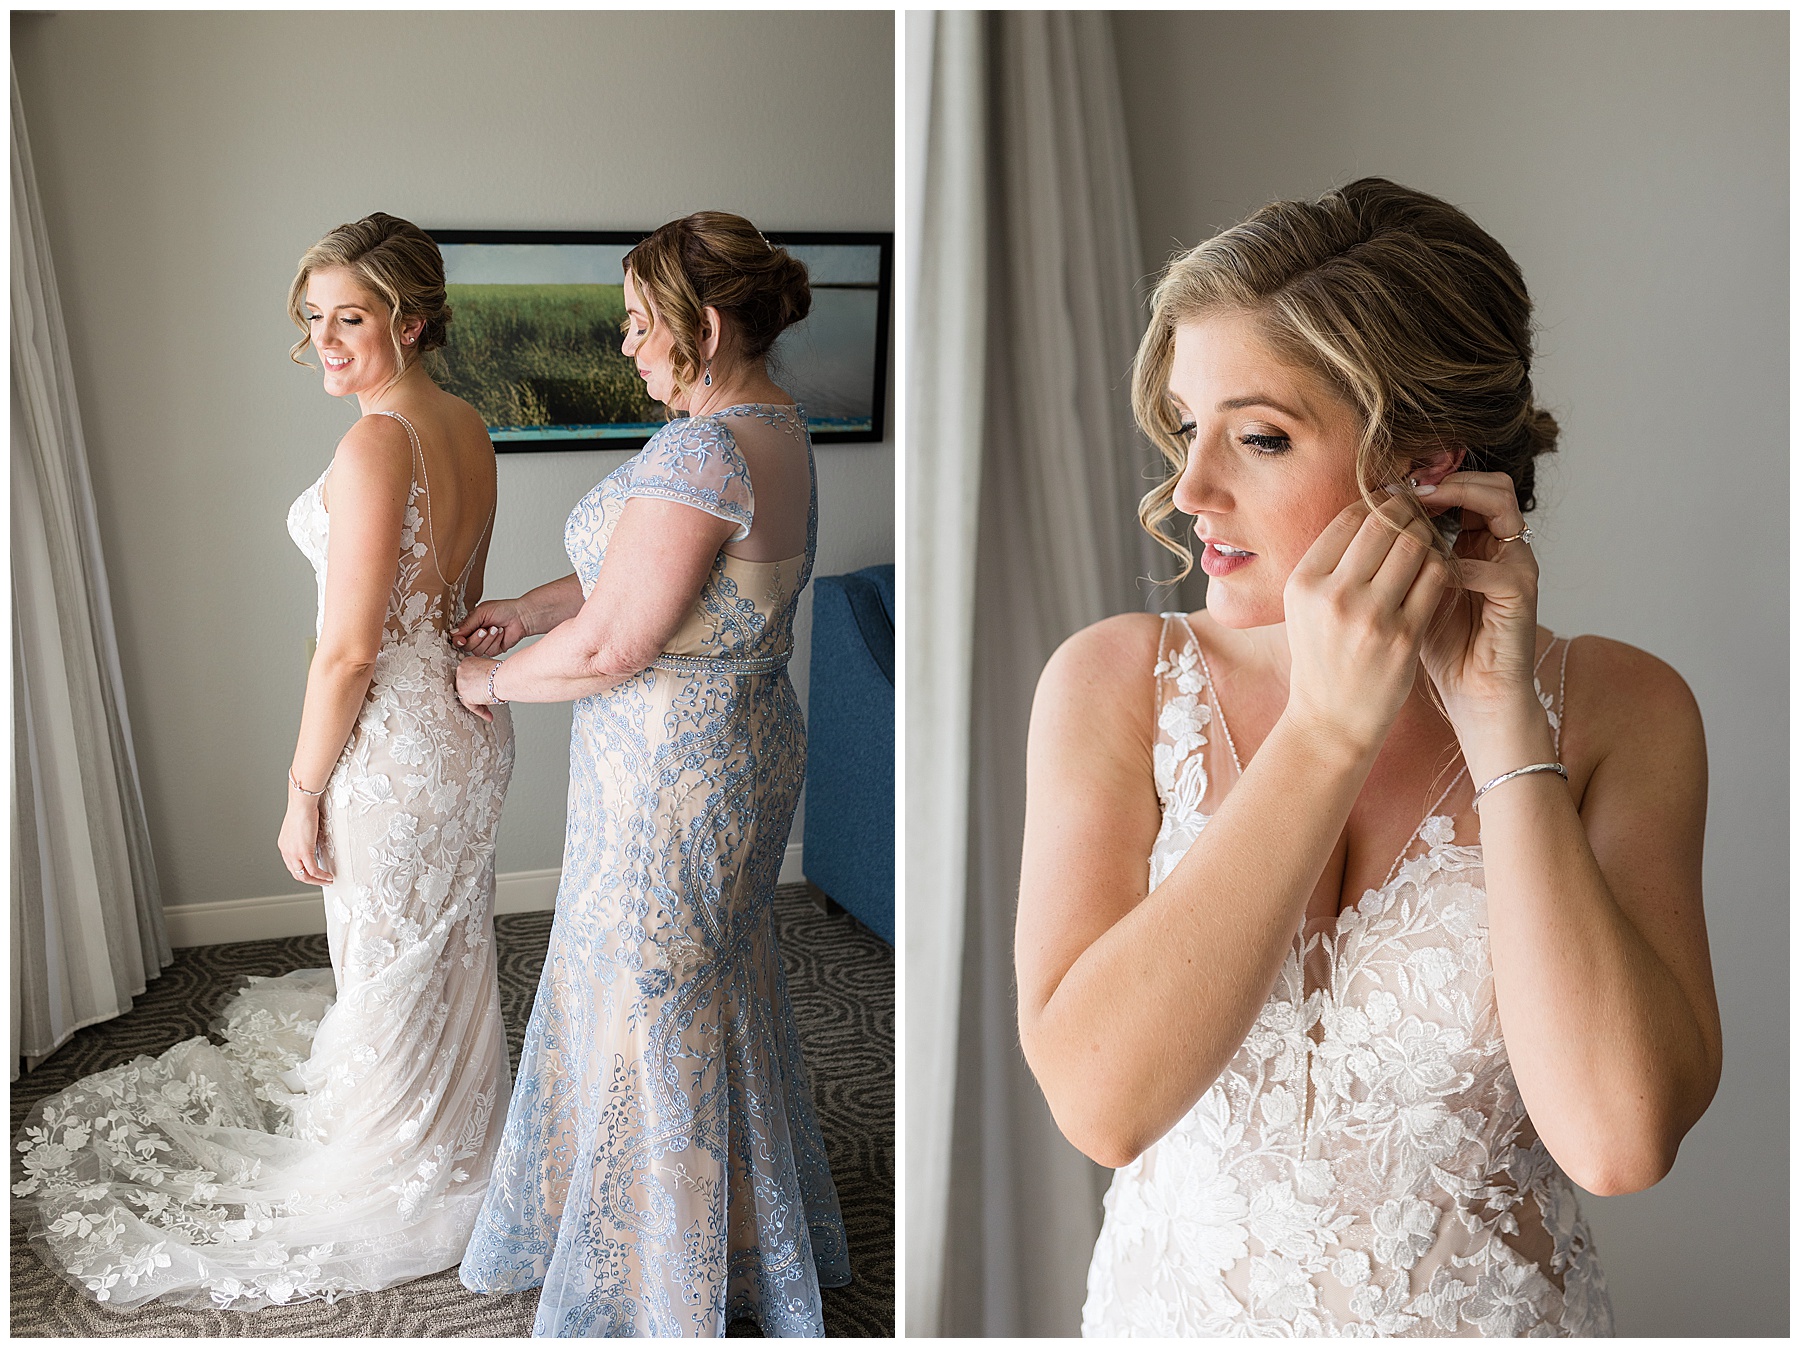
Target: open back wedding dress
1364	1166
338	1136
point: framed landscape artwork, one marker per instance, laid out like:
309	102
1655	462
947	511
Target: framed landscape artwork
533	344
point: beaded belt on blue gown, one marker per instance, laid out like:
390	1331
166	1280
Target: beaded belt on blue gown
719	664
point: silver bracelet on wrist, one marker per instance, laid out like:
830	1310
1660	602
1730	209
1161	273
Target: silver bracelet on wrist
1557	768
492	695
294	782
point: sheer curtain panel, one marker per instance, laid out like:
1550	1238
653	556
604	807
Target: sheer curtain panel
946	359
1063	468
87	921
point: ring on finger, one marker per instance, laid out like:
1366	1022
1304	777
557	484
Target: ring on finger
1523	536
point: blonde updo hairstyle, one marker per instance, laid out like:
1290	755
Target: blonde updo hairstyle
713	259
392	257
1400	302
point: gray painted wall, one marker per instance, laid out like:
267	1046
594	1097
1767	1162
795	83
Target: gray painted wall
186	161
1636	167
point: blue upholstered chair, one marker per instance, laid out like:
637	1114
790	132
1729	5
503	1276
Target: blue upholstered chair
847	843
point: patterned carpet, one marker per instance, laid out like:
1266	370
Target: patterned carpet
842	981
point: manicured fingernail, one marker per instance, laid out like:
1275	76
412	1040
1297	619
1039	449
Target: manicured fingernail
1425	490
1394	487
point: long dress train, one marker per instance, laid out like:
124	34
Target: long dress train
339	1135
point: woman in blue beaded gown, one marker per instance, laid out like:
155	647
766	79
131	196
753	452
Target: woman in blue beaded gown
661	1170
1384	900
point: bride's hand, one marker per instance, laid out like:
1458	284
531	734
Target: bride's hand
472	685
299	840
1357	605
1481	654
495	626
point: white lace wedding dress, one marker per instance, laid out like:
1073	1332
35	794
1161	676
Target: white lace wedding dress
339	1135
1364	1166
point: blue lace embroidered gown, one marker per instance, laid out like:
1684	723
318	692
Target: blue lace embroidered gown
661	1171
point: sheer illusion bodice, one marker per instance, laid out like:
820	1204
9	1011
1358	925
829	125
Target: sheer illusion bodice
1364	1166
662	1170
424	603
338	1135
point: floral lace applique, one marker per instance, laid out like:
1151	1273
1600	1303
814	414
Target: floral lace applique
1364	1166
1180	768
661	1170
268	1166
695	461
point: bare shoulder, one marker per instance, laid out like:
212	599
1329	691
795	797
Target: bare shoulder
1099	683
376	445
1625	704
1108	657
1612	684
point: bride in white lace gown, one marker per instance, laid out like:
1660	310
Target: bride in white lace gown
1354	985
339	1135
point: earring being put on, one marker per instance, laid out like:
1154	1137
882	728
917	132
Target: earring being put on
707	379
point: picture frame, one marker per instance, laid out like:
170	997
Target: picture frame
534	339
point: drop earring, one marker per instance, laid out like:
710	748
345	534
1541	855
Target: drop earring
707	379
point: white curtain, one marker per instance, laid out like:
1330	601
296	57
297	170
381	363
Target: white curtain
1059	548
87	921
946	336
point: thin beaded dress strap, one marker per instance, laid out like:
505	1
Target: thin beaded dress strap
1193	639
476	552
430	526
1562	687
1213	692
412	437
1162	683
1464	769
1164	674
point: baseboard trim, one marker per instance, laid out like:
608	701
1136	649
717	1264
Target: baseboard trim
527	891
279	915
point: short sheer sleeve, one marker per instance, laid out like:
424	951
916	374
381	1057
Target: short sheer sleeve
696	462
